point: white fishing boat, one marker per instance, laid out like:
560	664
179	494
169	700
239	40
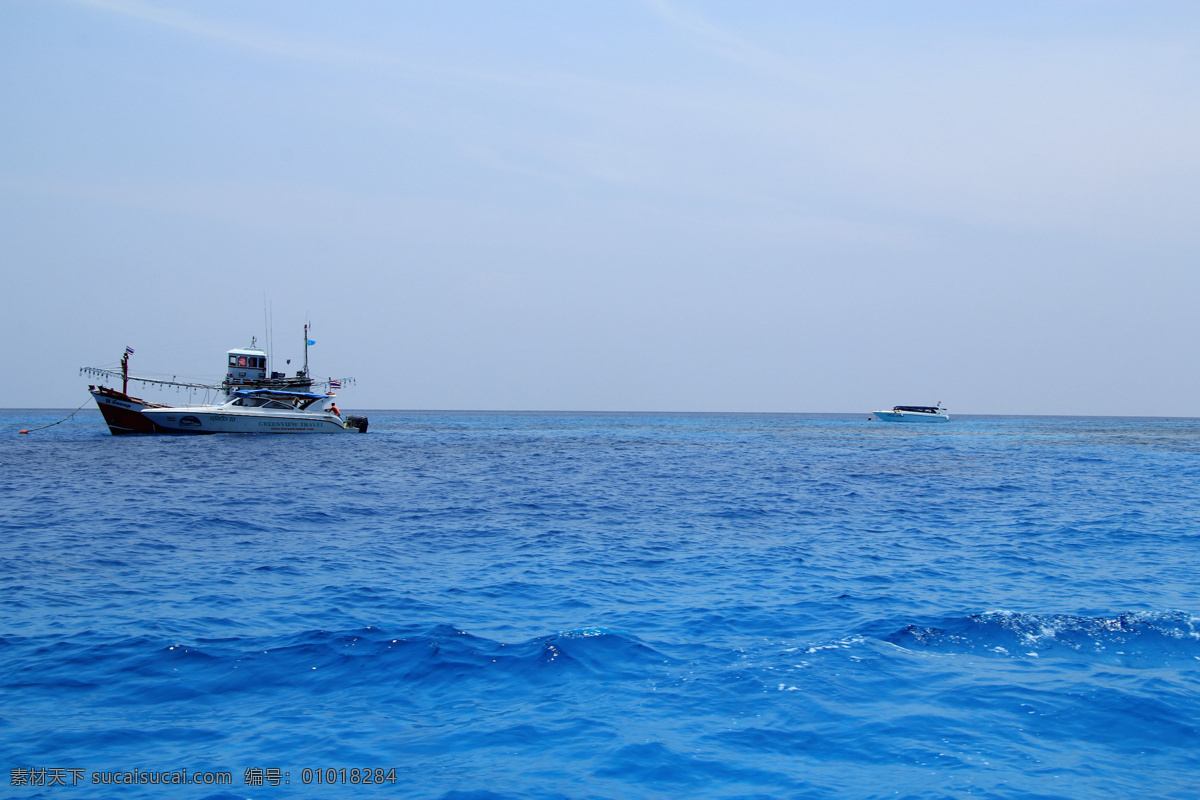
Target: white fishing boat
914	414
246	369
259	411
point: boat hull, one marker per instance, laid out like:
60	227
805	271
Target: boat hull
910	416
123	413
218	419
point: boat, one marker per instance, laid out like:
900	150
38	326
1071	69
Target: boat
123	412
247	368
258	411
914	414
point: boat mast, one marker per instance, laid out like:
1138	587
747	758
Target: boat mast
125	373
306	349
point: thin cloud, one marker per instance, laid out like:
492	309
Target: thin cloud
251	40
730	46
316	52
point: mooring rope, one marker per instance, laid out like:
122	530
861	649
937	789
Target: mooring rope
60	422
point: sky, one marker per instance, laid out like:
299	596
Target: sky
618	205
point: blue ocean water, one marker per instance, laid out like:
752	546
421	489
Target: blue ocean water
606	606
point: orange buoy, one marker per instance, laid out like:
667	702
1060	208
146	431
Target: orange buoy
24	431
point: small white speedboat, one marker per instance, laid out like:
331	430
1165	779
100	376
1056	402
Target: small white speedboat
258	411
914	414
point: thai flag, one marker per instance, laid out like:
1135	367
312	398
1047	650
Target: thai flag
334	384
128	350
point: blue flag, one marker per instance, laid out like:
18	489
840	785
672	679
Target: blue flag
311	341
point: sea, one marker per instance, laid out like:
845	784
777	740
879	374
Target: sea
554	606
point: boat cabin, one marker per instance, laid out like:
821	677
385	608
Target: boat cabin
247	367
262	402
919	409
275	399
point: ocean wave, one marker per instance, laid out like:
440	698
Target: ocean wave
1129	639
431	658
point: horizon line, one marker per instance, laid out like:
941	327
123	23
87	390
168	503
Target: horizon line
561	412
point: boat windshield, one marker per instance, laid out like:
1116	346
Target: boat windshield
262	402
918	409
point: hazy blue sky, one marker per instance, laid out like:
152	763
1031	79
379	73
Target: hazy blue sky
659	205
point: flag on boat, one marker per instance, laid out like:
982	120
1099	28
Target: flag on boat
311	341
128	350
334	384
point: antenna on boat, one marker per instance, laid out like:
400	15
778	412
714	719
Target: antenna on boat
267	335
